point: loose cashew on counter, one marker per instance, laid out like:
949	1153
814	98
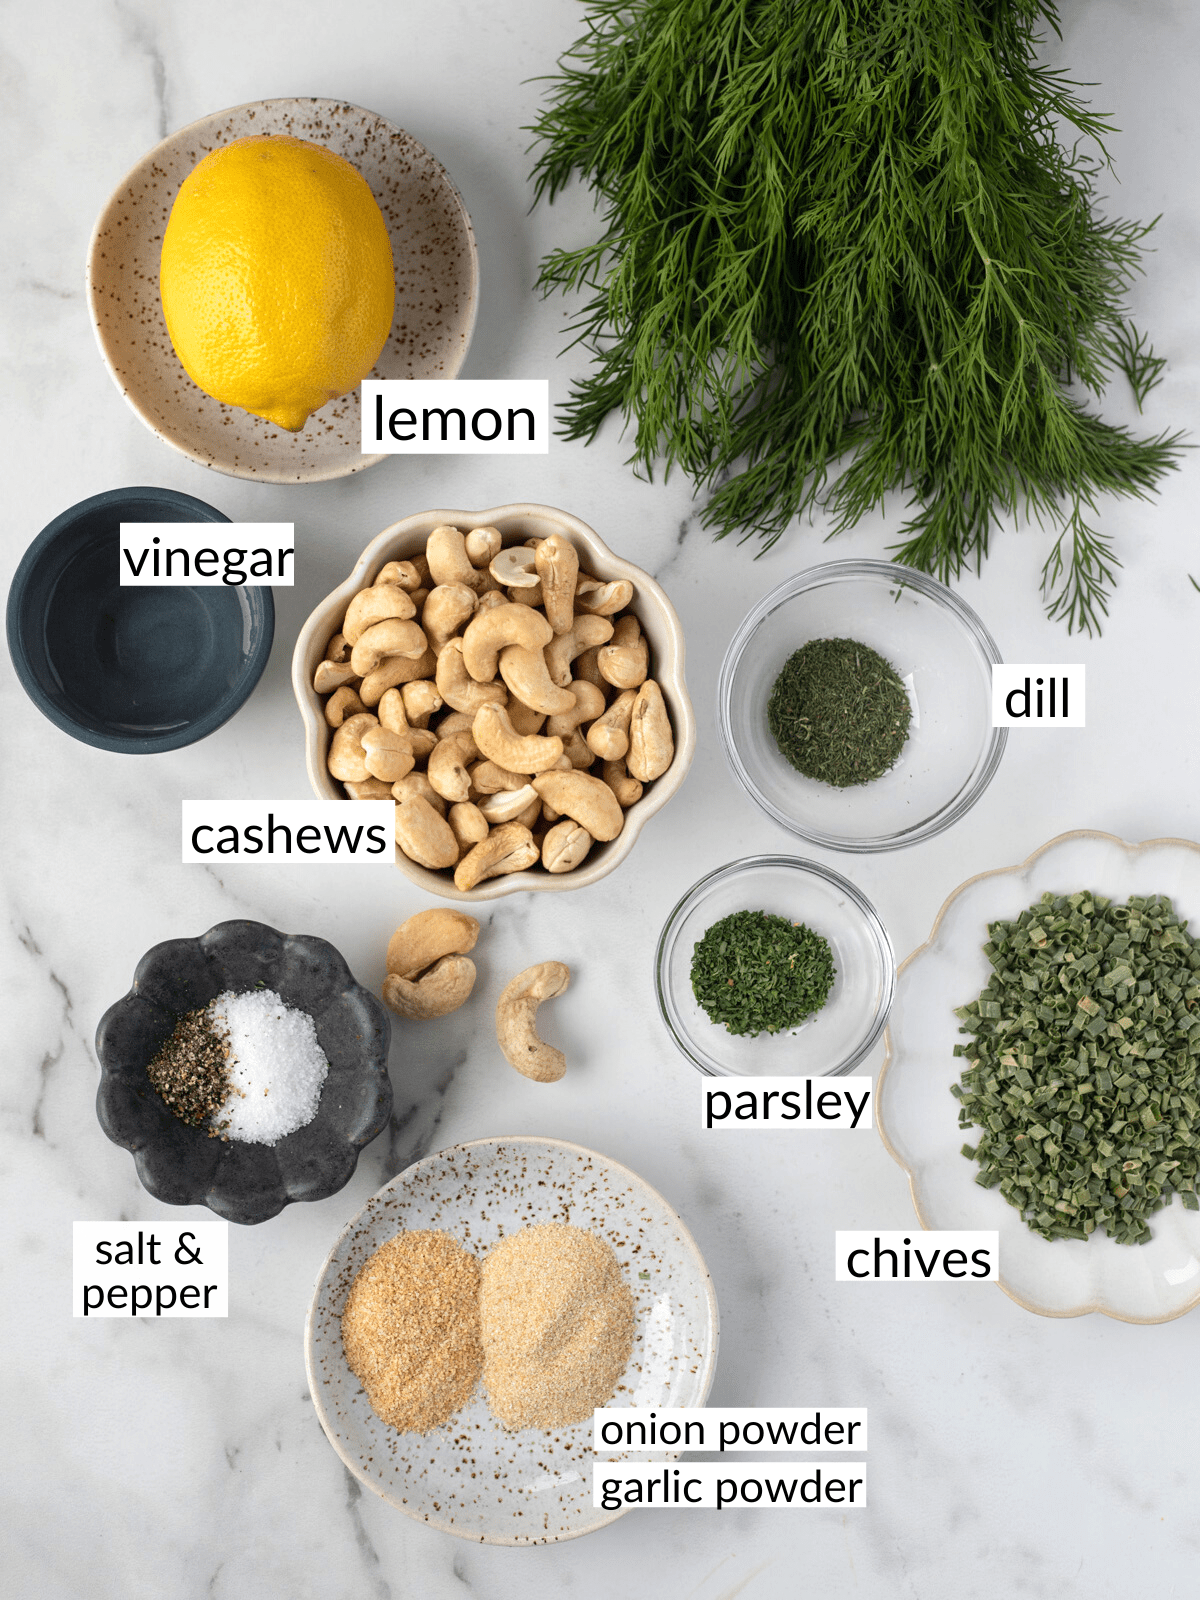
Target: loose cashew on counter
516	1021
486	688
428	973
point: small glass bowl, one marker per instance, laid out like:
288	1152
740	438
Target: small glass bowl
940	649
835	1039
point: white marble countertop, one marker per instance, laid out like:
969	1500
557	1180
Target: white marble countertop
1009	1454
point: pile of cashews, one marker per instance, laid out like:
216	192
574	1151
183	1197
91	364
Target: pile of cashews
485	719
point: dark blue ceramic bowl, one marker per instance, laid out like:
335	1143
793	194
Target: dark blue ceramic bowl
245	1183
138	670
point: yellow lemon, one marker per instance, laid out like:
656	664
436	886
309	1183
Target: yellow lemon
276	277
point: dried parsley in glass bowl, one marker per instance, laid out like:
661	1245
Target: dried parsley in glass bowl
838	1030
903	784
754	972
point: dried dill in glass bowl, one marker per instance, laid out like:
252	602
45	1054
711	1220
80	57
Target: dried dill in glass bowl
909	766
839	712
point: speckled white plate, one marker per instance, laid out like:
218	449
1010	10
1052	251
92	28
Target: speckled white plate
437	280
473	1477
917	1116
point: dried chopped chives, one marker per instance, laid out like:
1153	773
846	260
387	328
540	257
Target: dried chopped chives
1082	1066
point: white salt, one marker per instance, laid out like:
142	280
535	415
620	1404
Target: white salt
276	1066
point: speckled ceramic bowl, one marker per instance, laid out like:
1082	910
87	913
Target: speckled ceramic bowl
245	1182
917	1117
473	1477
659	623
437	278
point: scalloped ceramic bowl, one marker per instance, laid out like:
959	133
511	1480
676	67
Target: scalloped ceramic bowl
245	1183
918	1117
474	1477
437	289
654	611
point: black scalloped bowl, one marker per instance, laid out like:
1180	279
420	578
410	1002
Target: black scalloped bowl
245	1182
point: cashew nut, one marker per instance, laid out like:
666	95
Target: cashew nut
454	722
524	718
417	783
527	596
391	713
468	823
589	704
500	742
446	553
530	817
426	937
578	751
382	639
488	778
445	611
588	800
435	993
598	599
608	736
380	604
508	848
651	746
626	661
346	759
564	647
482	544
456	685
627	790
524	671
516	1021
425	837
447	767
406	575
394	670
585	667
506	805
557	567
388	755
421	700
368	789
490	600
342	703
565	846
331	675
489	632
516	567
337	650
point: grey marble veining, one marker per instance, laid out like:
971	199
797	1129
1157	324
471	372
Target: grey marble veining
1010	1454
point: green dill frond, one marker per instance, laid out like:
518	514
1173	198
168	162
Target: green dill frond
844	253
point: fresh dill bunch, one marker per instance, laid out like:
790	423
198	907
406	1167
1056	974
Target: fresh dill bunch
844	253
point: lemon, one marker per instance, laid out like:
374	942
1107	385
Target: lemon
276	277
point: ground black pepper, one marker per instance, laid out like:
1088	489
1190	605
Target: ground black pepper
191	1070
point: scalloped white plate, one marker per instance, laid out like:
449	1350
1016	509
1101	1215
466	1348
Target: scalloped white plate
918	1117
